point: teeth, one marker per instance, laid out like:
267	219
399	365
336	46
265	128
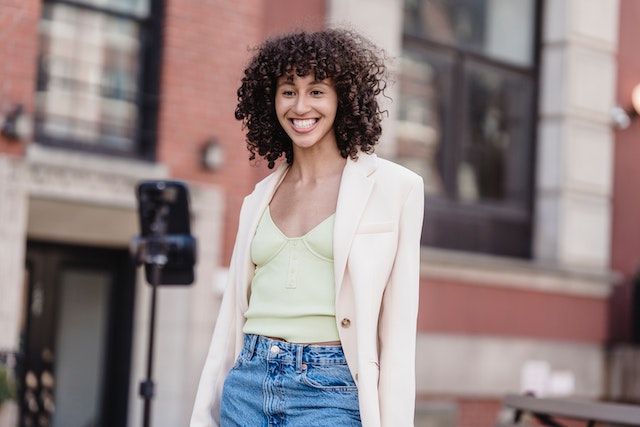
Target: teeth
303	124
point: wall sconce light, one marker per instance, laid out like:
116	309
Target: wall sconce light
622	117
212	155
11	124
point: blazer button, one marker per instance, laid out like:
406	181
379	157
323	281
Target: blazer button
345	323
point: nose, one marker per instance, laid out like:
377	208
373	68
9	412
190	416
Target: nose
302	105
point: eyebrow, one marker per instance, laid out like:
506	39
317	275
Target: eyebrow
289	81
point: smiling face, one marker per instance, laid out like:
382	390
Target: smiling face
306	109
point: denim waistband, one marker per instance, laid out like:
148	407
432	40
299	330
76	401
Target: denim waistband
290	352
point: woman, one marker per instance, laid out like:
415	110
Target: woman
317	326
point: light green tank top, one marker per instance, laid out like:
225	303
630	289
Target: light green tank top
293	289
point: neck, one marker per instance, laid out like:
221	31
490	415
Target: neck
308	167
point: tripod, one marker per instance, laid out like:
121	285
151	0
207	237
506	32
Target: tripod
154	252
168	258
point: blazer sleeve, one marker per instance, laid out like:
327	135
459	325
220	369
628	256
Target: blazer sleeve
398	318
227	340
220	357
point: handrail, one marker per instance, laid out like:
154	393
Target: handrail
585	410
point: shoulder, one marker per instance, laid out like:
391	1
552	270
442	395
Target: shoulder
386	177
263	188
272	179
393	173
389	167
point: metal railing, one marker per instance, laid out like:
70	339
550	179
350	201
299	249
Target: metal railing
545	412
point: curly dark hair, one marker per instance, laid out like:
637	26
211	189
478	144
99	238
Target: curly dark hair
354	64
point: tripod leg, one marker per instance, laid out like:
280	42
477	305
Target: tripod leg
147	386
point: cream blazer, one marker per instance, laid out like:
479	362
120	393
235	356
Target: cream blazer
377	231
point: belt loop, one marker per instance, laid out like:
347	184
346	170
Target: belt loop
299	352
251	346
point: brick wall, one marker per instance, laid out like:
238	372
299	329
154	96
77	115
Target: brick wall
477	412
18	50
451	307
625	238
205	48
308	15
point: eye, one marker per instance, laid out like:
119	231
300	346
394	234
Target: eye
316	92
288	93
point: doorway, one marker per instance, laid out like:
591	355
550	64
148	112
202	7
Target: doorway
76	343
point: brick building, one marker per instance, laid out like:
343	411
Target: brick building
531	239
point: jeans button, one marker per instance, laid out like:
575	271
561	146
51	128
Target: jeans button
274	349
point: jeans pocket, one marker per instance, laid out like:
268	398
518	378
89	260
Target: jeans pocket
329	377
240	360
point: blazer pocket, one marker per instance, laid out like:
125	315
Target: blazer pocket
376	227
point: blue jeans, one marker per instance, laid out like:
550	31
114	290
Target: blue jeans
276	383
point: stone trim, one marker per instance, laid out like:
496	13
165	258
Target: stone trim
487	270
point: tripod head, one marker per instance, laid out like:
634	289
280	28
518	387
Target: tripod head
165	239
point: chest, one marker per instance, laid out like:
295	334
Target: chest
298	209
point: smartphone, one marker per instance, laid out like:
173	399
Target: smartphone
165	227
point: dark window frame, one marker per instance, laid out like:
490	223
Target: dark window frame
482	226
148	79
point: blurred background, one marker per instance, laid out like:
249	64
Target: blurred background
517	113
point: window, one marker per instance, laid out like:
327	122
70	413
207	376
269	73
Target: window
97	75
466	119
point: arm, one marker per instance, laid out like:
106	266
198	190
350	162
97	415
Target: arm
206	409
227	341
398	318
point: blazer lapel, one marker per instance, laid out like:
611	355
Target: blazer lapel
253	208
355	189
